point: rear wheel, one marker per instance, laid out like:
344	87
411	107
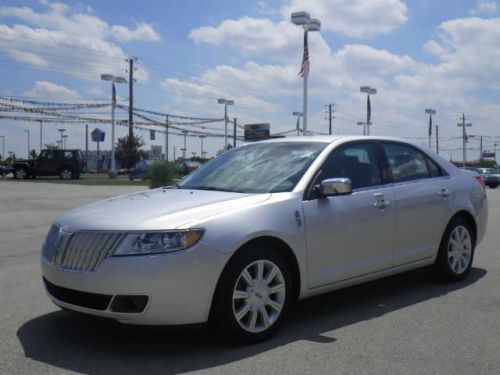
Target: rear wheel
253	295
65	174
456	251
20	174
493	186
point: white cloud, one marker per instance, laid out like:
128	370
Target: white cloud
142	32
49	90
484	7
248	34
469	49
65	40
354	18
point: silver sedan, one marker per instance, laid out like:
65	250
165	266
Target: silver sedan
243	237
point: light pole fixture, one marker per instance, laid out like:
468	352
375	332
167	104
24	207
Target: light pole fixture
430	112
304	19
226	102
368	91
113	79
27	131
299	115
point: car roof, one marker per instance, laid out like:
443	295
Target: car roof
334	138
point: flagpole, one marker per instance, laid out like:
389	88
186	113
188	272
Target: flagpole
304	109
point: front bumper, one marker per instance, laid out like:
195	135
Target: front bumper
178	288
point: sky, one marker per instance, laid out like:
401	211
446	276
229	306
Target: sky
441	54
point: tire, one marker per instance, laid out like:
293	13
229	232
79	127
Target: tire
258	307
66	174
493	186
20	174
456	251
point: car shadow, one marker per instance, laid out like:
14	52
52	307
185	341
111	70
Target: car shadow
91	345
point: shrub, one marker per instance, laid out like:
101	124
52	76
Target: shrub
162	173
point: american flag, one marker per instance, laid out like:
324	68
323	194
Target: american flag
368	110
304	69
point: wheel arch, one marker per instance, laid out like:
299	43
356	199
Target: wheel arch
467	216
279	245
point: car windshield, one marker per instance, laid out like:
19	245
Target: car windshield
257	168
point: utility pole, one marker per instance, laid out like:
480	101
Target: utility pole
330	117
86	147
437	139
481	147
131	98
184	132
234	132
166	138
41	131
464	138
201	151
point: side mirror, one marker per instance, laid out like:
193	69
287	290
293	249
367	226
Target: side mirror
335	186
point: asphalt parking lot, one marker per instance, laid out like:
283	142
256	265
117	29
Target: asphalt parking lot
408	323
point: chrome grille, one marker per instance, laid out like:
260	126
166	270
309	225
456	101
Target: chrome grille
85	251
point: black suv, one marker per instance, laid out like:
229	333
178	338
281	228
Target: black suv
66	164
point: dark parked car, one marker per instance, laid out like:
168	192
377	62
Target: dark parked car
140	170
185	167
66	164
490	176
5	169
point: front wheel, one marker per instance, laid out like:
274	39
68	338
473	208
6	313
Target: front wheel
456	251
65	174
253	295
20	174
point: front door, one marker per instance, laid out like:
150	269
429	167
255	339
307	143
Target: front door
350	235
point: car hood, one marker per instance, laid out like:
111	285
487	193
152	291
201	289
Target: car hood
155	209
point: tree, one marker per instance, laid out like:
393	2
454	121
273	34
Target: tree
51	146
33	154
11	159
128	152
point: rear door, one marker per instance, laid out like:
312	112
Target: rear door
422	192
350	235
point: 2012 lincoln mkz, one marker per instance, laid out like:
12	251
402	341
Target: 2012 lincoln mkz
237	241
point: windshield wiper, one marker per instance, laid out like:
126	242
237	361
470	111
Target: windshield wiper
211	188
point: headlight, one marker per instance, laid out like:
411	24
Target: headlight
158	242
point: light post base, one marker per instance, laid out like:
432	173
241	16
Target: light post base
112	174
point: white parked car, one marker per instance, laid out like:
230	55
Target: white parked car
244	236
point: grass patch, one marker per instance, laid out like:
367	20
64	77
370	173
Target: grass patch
85	179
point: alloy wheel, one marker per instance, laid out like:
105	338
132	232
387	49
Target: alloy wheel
259	296
459	249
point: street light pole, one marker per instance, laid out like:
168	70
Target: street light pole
3	148
369	91
298	114
226	102
65	137
464	138
27	131
430	112
304	19
184	132
113	79
61	131
41	132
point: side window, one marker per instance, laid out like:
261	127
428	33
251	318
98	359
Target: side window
68	155
45	155
434	170
357	161
407	163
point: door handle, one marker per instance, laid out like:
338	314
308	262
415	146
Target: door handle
380	203
444	193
